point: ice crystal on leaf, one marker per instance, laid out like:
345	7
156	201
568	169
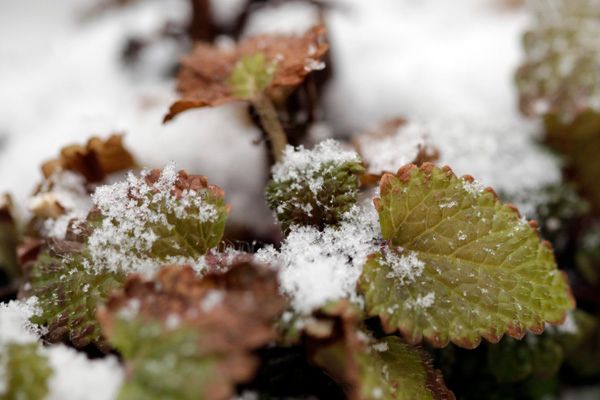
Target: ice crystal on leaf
485	270
314	187
137	225
160	217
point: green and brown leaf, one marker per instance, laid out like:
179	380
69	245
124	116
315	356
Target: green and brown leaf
460	264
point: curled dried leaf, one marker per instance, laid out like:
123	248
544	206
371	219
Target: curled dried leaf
97	159
211	76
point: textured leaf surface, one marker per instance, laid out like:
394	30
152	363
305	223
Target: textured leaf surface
389	370
250	76
183	337
460	265
367	368
27	372
314	187
69	294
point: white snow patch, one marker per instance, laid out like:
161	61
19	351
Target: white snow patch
76	377
320	266
387	153
288	18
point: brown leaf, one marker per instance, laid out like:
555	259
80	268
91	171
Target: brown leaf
241	320
203	79
232	312
97	159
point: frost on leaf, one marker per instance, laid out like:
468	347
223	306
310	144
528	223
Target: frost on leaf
186	337
366	368
460	265
69	293
211	76
8	237
163	216
395	143
97	159
314	187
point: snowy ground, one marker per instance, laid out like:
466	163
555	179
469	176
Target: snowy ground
445	64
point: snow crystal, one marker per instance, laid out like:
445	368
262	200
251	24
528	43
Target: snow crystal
421	302
76	377
380	347
405	267
319	266
128	207
299	163
14	322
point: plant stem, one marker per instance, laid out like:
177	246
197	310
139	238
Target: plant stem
270	123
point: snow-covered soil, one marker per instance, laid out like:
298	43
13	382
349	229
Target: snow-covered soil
445	64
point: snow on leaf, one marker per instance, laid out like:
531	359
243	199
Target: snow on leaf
97	159
163	216
375	369
500	278
186	337
314	187
207	73
316	267
69	293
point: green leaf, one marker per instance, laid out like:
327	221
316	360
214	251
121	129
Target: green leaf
251	75
69	293
460	265
166	364
388	369
314	187
513	361
27	372
163	216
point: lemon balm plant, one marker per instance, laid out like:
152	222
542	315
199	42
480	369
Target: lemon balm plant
370	292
